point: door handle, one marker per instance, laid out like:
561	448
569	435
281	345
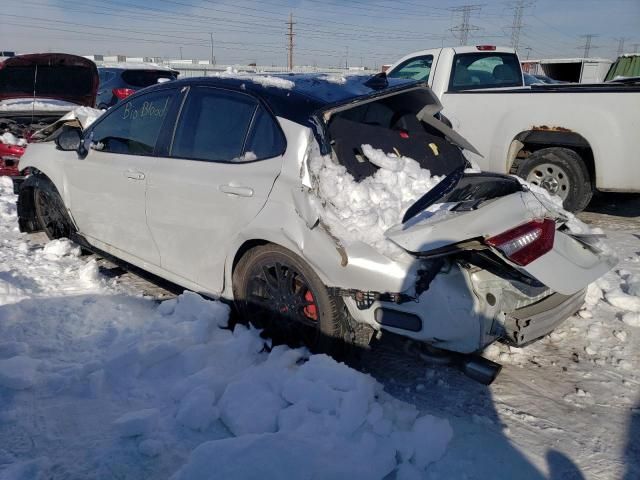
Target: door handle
134	175
238	191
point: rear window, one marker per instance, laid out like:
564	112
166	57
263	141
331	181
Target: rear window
146	78
482	70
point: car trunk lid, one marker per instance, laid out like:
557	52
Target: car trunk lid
505	226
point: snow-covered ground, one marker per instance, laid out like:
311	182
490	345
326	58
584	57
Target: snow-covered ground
98	380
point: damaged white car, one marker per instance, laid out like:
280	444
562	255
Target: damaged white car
327	210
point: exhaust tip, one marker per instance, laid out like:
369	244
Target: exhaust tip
480	369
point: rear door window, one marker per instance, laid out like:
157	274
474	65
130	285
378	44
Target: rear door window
133	127
482	70
213	125
265	139
417	68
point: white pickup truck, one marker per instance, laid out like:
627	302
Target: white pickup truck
569	139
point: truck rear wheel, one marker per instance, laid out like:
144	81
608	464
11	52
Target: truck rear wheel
561	172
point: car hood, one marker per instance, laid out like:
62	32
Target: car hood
52	76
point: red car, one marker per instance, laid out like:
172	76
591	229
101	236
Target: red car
35	91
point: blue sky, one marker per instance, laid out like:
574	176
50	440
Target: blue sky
328	33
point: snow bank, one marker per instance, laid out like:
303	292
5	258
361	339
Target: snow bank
364	211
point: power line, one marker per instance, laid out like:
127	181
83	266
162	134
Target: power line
462	29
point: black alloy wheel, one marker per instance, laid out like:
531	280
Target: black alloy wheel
277	291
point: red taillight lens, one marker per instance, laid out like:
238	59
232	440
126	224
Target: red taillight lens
485	48
122	93
523	244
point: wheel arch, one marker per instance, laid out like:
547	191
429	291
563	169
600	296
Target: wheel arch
537	138
241	248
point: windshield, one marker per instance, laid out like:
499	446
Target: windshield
485	70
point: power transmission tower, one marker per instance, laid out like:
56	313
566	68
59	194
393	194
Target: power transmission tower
290	36
518	13
621	45
462	30
587	44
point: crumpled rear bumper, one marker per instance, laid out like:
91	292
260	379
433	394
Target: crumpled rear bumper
524	325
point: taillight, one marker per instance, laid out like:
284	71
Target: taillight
485	48
122	93
523	244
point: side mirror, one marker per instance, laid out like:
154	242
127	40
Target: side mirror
69	139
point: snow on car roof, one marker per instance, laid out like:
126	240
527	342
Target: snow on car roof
297	97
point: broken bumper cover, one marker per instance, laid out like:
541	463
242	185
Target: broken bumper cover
527	324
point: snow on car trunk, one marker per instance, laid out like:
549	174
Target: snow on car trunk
130	388
363	211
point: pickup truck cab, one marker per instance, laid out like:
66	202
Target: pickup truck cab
568	139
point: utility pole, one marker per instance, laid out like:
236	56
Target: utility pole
528	49
290	36
213	57
516	27
180	53
346	58
462	30
587	43
621	45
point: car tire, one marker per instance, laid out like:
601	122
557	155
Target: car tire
293	307
50	212
560	171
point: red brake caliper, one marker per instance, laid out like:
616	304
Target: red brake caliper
310	311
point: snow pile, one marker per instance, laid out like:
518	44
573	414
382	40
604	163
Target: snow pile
363	211
9	138
163	376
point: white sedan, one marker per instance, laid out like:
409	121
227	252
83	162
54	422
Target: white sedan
328	209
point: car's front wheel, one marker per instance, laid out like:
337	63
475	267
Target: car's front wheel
50	212
276	290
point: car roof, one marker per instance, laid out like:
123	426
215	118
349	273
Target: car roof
297	97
